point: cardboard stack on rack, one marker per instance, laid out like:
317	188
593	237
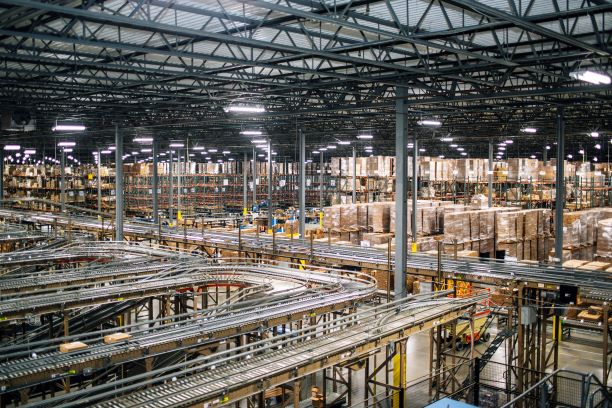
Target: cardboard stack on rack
523	235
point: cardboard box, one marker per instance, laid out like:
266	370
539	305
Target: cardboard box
74	346
116	337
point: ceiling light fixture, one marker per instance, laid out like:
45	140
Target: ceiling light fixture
176	144
12	147
365	136
447	139
251	132
594	134
66	144
591	77
508	141
212	150
344	142
258	141
429	122
529	130
29	151
198	148
245	109
68	128
143	140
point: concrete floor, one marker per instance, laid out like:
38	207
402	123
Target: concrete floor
581	353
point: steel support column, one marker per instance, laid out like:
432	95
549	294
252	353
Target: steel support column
99	177
171	188
321	180
302	185
415	187
490	175
401	196
178	186
1	174
559	186
155	184
354	175
254	176
118	184
63	180
270	173
245	183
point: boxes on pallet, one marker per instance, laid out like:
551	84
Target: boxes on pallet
604	238
379	216
523	169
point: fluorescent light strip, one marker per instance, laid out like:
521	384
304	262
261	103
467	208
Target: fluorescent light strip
73	128
429	122
591	77
245	109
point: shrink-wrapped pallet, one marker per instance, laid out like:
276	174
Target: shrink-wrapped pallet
456	227
379	214
362	216
604	238
508	226
530	222
348	218
373	239
574	229
429	224
331	217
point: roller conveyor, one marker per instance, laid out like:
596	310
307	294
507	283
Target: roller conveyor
291	294
230	376
594	284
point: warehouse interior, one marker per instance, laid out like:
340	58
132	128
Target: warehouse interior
326	203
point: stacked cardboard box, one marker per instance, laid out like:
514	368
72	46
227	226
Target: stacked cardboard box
523	169
523	235
604	238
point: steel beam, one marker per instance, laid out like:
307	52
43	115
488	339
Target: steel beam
321	180
171	188
118	184
245	184
560	186
401	205
525	25
490	175
1	174
254	176
415	187
270	174
99	177
354	175
302	185
155	183
63	180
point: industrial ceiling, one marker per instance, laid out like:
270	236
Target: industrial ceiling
169	69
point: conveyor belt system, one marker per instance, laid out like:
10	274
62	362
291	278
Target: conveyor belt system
290	294
596	285
228	376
